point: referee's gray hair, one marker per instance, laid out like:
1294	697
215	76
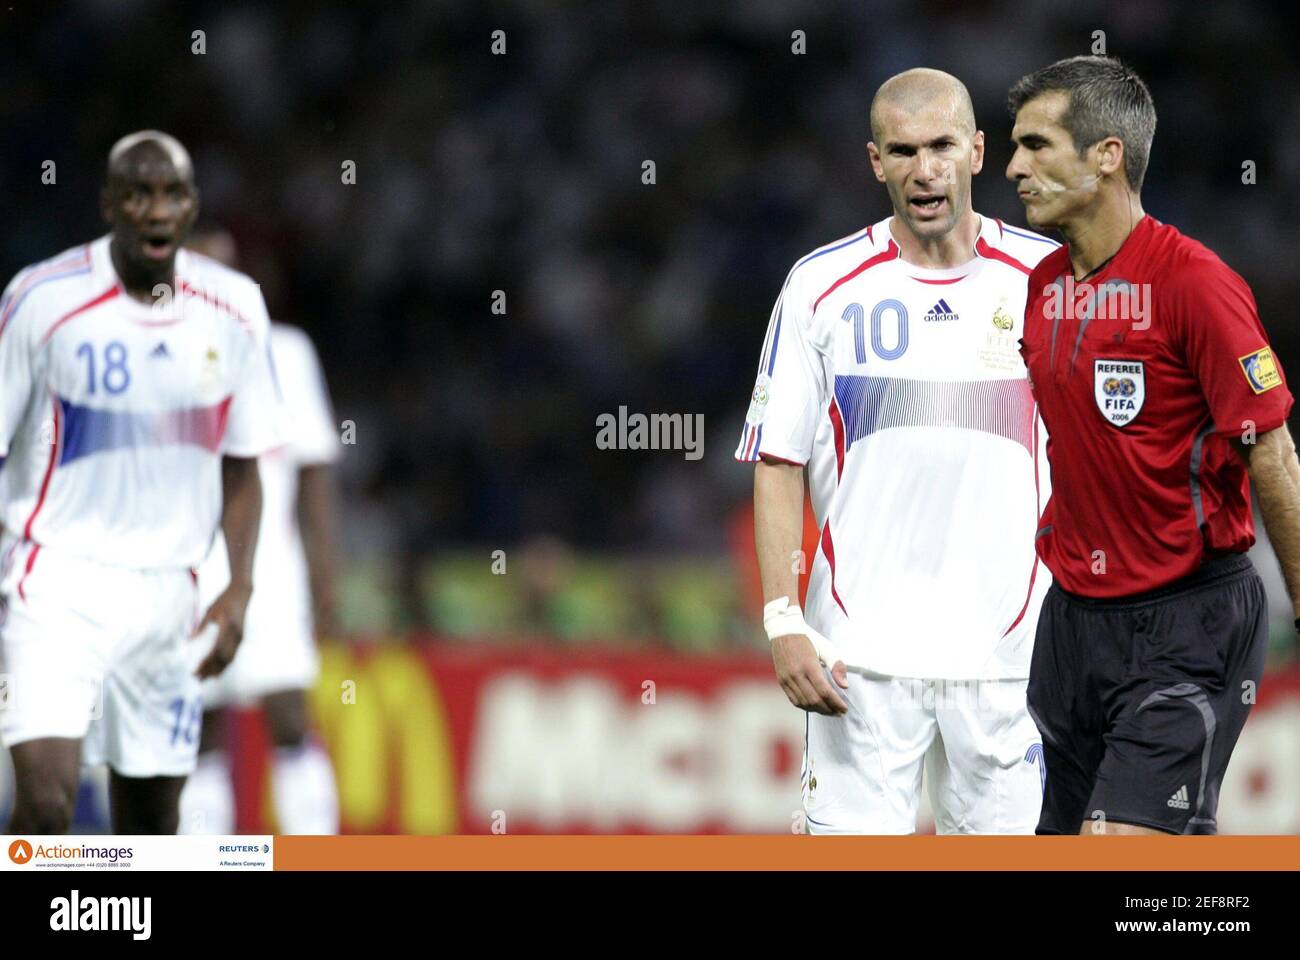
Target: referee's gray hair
179	156
1106	99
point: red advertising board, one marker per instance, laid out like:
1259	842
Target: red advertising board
428	738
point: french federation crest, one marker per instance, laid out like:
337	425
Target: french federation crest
1120	389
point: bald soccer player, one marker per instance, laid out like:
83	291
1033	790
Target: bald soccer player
135	394
890	377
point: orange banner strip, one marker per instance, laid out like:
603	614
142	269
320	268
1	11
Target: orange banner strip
786	853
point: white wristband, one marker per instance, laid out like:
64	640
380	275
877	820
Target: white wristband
782	618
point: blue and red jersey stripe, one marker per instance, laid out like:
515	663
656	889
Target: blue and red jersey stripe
75	265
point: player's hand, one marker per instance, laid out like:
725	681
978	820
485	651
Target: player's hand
802	677
227	614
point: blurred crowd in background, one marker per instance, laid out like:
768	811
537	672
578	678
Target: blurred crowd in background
523	173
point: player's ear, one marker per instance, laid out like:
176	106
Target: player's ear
106	203
1110	156
873	153
977	152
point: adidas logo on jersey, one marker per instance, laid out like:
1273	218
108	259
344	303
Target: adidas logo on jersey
1179	801
941	311
161	351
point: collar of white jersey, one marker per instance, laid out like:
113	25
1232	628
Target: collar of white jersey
990	235
101	263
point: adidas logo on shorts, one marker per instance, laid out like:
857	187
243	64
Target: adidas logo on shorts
1179	800
941	311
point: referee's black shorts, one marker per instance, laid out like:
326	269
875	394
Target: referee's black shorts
1140	700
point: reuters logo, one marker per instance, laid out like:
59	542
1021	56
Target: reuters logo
20	851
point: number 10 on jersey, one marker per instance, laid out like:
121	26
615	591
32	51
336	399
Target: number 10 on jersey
855	314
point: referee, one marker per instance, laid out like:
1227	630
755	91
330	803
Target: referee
1162	401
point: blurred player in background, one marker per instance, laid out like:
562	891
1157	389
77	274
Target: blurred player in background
135	395
293	603
1151	365
890	373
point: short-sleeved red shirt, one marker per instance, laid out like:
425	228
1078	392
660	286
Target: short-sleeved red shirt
1142	374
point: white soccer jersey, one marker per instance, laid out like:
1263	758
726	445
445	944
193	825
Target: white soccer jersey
281	594
903	391
114	414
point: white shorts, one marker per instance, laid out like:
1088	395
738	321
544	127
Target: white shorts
980	750
100	654
278	652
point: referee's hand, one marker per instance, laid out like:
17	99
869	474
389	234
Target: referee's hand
803	679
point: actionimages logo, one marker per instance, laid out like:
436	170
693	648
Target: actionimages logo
20	851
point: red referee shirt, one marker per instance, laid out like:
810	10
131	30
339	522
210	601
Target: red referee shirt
1141	375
